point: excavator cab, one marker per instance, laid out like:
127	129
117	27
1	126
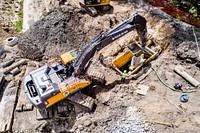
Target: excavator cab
91	6
96	2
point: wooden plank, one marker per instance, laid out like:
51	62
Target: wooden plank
1	78
23	102
7	106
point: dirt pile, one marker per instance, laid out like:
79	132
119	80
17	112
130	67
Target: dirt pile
63	29
60	28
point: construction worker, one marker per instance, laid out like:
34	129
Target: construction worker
124	74
100	57
192	11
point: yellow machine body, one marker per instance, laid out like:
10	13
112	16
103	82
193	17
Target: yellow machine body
102	3
68	57
67	89
121	60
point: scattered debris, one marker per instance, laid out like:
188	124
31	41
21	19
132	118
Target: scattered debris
16	64
177	107
179	70
142	89
188	91
11	41
178	86
2	53
184	98
161	123
2	79
15	71
7	63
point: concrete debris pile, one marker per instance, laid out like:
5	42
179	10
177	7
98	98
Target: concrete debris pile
129	126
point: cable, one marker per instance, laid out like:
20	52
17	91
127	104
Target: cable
170	86
196	42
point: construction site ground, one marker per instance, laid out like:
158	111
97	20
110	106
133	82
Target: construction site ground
119	107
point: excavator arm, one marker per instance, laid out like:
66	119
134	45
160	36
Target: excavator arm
135	22
46	85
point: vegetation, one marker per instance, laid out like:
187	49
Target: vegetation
186	5
19	23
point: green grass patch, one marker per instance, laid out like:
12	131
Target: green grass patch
19	24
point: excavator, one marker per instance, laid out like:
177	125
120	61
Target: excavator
63	78
91	6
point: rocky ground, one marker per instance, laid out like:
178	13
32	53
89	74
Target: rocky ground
119	108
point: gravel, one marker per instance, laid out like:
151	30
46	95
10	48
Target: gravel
129	126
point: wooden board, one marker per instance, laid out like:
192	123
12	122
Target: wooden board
1	78
7	106
1	81
23	101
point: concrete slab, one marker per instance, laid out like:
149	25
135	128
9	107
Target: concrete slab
142	89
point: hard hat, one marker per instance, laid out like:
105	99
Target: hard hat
130	68
142	55
100	52
124	71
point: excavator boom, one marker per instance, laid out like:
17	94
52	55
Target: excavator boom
135	22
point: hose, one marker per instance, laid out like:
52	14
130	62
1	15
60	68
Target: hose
190	91
196	42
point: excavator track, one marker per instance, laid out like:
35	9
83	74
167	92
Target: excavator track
90	10
84	102
97	77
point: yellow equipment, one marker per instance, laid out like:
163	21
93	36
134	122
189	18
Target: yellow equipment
91	6
63	77
68	57
132	61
